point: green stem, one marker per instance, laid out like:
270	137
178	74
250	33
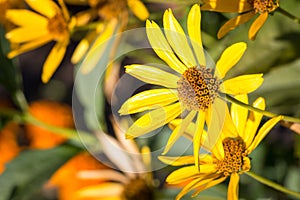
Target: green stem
20	100
264	112
72	134
289	15
272	184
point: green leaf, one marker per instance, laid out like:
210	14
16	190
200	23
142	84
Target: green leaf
10	76
27	173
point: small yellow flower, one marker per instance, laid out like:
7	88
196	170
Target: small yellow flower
247	10
230	156
49	22
113	17
192	89
4	6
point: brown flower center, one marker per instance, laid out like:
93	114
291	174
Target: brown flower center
197	88
235	152
58	27
137	189
261	6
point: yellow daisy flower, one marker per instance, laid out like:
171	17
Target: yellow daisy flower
247	10
230	156
193	89
49	22
113	17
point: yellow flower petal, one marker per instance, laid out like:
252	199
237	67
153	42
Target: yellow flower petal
26	34
53	60
235	22
103	175
189	172
207	183
149	99
257	24
45	7
177	39
233	187
229	128
26	18
152	75
263	131
30	45
253	121
186	160
223	6
218	150
153	120
198	136
162	47
99	47
229	58
239	114
101	190
178	131
242	84
194	30
138	9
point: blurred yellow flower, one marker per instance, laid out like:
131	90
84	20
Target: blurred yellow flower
229	157
66	179
52	113
113	18
192	89
247	10
49	22
81	179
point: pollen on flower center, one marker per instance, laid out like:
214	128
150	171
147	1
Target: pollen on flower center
197	88
261	6
234	154
58	26
137	189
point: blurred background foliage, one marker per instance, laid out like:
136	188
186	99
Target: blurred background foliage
275	52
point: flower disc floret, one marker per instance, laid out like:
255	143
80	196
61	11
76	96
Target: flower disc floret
198	88
261	6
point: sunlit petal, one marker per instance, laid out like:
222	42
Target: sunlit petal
153	120
138	9
198	136
229	58
185	160
194	30
239	114
104	174
178	131
53	60
26	18
257	24
177	39
149	99
101	190
26	34
242	84
29	46
208	183
253	121
162	48
233	187
235	22
152	75
45	7
263	131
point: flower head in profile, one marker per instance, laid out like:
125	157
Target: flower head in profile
192	88
247	9
129	179
230	156
47	22
112	18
